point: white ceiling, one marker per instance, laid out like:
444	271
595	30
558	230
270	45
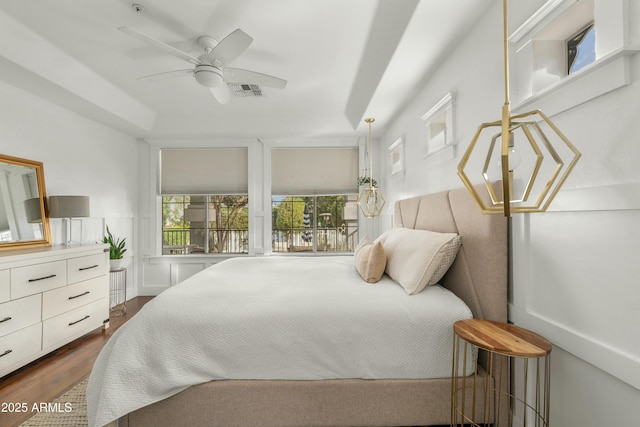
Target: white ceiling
343	59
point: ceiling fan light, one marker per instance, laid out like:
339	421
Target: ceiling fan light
208	75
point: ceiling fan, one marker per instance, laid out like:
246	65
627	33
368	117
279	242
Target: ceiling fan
211	68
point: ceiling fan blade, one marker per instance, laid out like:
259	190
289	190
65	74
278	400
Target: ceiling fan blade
238	75
221	93
166	75
160	45
231	46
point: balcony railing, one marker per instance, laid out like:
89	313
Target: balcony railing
235	241
193	241
325	239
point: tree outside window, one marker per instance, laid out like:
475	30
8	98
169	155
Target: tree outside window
205	224
314	223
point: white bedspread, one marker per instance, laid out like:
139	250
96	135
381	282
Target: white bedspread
300	318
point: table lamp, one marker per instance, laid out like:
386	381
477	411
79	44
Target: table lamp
68	207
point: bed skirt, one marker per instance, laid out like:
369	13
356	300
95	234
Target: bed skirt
349	402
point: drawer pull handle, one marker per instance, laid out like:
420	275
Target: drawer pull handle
6	352
80	295
78	321
88	268
6	319
42	278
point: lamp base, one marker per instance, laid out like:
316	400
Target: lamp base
67	231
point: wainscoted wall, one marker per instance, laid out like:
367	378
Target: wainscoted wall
588	300
162	273
575	268
577	274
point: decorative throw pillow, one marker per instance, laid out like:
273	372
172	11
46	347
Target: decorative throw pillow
419	258
370	260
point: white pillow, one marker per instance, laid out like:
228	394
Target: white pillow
419	258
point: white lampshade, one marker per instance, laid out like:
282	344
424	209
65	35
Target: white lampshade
68	206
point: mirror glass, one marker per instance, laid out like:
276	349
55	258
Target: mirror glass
23	221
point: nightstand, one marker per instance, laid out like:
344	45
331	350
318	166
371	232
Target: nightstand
518	364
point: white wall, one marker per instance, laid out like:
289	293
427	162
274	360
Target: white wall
80	157
575	268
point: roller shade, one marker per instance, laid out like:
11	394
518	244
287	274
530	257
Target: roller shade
212	171
309	171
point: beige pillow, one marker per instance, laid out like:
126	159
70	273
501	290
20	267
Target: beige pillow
370	260
419	258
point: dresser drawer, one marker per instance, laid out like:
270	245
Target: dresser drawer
36	278
87	267
20	313
5	285
20	345
73	324
67	298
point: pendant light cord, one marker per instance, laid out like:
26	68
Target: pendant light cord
506	52
507	135
370	120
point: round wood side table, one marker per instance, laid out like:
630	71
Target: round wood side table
481	400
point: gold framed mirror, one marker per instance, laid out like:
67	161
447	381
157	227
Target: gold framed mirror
23	218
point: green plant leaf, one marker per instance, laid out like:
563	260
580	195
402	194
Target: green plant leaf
116	245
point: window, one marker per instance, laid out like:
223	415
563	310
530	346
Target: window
581	49
212	224
204	201
396	156
314	223
438	122
559	40
314	199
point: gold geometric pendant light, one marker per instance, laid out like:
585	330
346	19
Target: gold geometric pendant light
530	133
371	201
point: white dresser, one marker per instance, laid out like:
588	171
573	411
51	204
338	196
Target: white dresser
49	297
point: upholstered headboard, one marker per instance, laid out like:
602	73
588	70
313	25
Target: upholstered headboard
479	273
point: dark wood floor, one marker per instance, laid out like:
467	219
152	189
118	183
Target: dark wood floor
50	376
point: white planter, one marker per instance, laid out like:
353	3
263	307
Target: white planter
116	264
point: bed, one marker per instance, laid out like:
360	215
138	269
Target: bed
381	371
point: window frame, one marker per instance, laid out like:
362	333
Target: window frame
396	157
192	249
316	249
582	34
440	115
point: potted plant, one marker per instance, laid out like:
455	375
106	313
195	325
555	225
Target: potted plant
116	249
366	181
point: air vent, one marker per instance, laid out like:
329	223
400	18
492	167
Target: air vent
244	90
